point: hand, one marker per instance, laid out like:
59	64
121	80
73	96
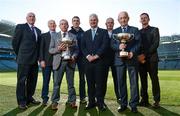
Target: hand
73	60
62	47
122	46
141	58
130	55
43	64
95	57
90	58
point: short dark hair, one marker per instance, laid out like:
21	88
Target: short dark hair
75	17
145	14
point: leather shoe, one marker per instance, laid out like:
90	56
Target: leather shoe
44	103
73	105
122	108
102	108
156	105
144	104
22	107
54	106
35	102
134	110
90	106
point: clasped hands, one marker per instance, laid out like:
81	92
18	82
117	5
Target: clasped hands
92	58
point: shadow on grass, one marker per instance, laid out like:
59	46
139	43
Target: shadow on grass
37	111
14	112
128	112
49	111
69	111
163	112
82	112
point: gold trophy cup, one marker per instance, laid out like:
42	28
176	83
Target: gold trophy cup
123	38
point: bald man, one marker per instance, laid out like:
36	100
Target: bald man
46	60
26	42
127	63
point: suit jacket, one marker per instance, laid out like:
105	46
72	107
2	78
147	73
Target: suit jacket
25	45
97	46
150	42
132	46
57	55
44	49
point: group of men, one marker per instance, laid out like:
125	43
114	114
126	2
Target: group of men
94	51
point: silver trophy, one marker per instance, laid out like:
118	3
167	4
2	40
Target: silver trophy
68	43
123	38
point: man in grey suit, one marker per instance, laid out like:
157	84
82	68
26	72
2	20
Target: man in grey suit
26	42
60	64
127	63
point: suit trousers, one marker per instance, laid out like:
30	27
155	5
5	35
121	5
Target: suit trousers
26	82
152	69
46	79
95	80
65	66
122	84
82	81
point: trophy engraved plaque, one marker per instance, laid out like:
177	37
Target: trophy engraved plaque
123	38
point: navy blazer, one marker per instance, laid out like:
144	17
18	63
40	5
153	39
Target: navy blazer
97	46
132	46
25	45
44	49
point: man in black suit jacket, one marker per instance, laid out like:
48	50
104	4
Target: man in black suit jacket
127	63
46	60
149	56
93	45
110	59
26	44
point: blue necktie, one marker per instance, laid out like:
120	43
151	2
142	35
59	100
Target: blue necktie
93	34
124	30
64	34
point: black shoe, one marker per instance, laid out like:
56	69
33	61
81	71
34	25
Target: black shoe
90	106
122	108
22	107
156	105
34	102
102	108
134	110
144	104
44	103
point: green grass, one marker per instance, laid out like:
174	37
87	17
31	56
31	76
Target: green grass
170	97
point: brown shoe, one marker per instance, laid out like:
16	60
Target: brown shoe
73	105
54	106
156	105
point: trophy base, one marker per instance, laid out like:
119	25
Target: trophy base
123	54
66	58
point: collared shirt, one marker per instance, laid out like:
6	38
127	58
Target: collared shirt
124	29
66	33
110	33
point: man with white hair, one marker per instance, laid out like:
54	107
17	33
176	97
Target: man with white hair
26	42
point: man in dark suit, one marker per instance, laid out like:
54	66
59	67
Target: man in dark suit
149	61
127	63
26	44
110	59
93	45
77	30
46	60
62	65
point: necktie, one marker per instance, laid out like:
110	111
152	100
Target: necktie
124	30
64	34
33	32
93	33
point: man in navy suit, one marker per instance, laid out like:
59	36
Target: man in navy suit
150	42
26	44
128	63
94	44
46	60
